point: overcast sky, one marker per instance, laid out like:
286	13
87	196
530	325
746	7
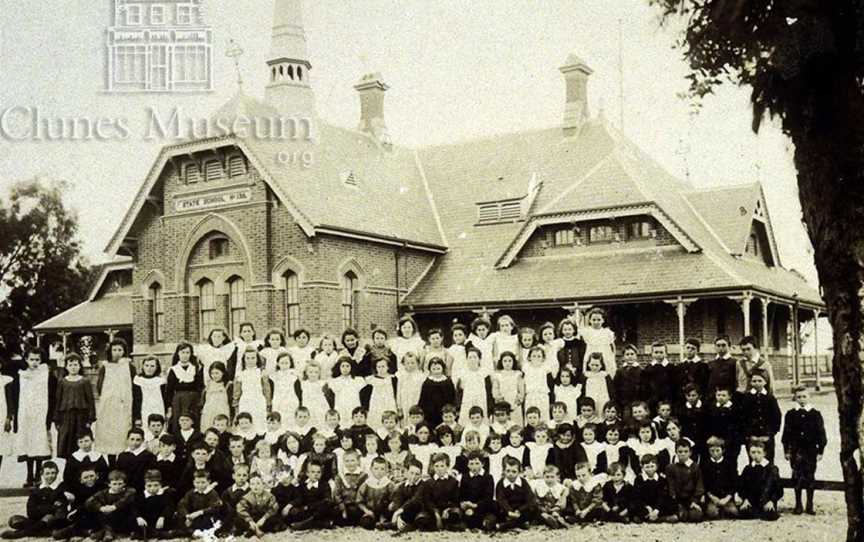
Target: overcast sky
457	70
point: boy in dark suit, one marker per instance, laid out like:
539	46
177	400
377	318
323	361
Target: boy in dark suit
566	453
722	369
517	505
657	377
628	381
201	507
135	460
313	508
155	507
761	413
440	498
477	495
652	493
406	504
685	484
724	421
804	443
46	507
720	477
759	486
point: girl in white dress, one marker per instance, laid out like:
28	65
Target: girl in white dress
346	391
550	345
285	400
410	383
252	392
302	352
215	400
312	395
471	387
35	387
527	340
568	392
383	396
483	341
537	377
505	339
507	385
217	348
599	339
326	356
274	346
148	393
248	338
407	339
596	382
459	334
114	407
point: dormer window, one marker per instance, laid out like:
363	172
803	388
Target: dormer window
603	233
564	237
641	229
499	211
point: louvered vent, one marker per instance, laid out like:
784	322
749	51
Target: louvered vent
213	170
236	166
499	211
191	173
349	178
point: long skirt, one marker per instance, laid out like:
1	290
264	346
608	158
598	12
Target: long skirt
184	402
72	424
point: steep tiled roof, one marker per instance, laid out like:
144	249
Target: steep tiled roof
112	311
599	168
728	211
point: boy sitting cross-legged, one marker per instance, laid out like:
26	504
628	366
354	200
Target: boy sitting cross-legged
517	505
440	498
720	477
652	493
685	484
759	486
477	495
155	507
313	507
46	507
585	499
373	496
257	511
113	508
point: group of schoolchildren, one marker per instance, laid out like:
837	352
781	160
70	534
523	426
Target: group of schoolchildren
498	430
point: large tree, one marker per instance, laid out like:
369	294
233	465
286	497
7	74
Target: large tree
41	269
804	62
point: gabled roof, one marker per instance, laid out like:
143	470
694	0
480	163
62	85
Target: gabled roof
307	175
728	211
597	170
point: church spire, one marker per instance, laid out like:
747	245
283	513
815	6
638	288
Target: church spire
288	88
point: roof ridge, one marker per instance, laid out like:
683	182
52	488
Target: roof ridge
721	188
484	138
430	196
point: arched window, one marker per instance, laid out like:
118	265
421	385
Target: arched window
292	301
206	307
158	312
218	247
236	304
349	300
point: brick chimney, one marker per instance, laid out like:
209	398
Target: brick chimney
371	89
576	73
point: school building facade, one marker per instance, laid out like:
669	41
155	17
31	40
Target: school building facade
336	227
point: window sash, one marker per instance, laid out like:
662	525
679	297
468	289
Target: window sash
158	314
207	307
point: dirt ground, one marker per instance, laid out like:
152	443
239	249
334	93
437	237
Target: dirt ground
827	526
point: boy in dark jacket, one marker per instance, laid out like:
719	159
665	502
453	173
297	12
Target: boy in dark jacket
720	478
722	370
46	507
345	489
201	507
135	460
804	443
761	413
652	503
517	505
686	490
374	495
477	495
405	504
114	508
657	377
628	380
258	511
313	508
723	420
231	498
691	370
759	486
618	496
168	462
80	520
566	453
440	498
155	507
692	415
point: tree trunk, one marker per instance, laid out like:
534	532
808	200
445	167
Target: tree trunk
830	165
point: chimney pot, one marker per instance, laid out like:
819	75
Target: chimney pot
371	89
576	72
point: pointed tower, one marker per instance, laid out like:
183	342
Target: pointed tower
288	88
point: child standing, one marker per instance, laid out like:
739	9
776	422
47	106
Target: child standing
572	351
303	350
596	381
407	339
657	377
252	391
627	380
218	347
804	443
508	385
538	382
505	339
274	347
346	390
379	349
76	408
459	334
36	388
284	381
382	395
483	341
761	413
435	349
148	392
327	357
214	400
527	341
472	386
313	396
550	345
567	391
185	384
436	392
599	339
114	410
410	381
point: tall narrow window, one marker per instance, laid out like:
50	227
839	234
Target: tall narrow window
237	304
206	307
158	312
292	301
349	300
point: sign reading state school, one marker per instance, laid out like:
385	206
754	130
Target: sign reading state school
197	203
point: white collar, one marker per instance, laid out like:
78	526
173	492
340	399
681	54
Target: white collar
808	407
147	494
136	451
696	359
517	483
688	463
54	485
476	474
445	476
756	357
244	487
654	478
93	455
697	405
763	463
664	363
717	461
187	375
754	392
727	404
312	484
171	457
727	357
185	433
589	486
377	483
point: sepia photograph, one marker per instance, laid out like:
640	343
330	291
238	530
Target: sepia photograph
320	270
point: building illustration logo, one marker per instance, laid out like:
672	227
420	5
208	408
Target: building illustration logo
159	46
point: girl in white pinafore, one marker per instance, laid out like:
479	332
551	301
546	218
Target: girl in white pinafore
285	400
481	339
383	396
598	339
312	395
114	407
505	339
326	356
407	339
217	348
151	387
249	385
274	346
346	391
410	384
550	345
32	436
472	385
509	386
536	375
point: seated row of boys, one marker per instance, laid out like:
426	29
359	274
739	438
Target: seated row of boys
401	499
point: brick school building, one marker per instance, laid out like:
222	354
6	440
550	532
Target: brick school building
334	227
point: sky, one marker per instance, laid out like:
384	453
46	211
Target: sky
457	70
